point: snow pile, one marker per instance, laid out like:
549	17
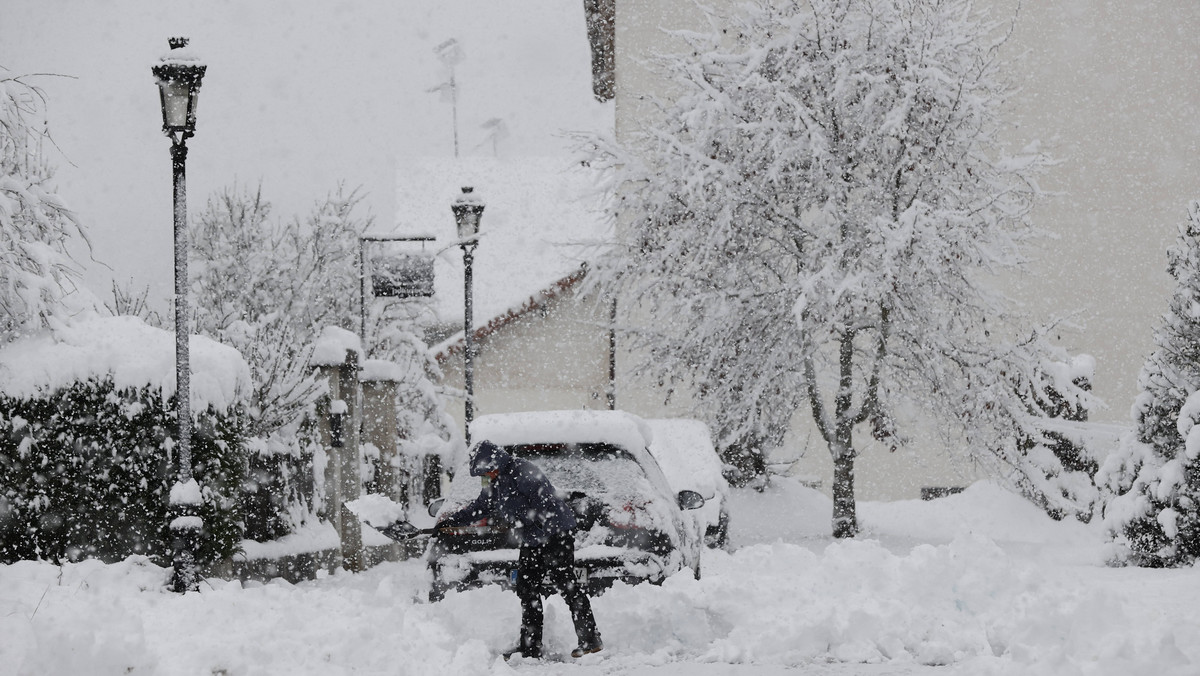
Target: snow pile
376	510
313	536
332	345
981	597
133	353
859	602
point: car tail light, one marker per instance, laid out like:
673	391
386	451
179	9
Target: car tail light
627	516
630	526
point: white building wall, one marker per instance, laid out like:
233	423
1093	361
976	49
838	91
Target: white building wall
553	358
1109	87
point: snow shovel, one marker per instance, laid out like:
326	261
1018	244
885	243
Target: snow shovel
403	530
376	509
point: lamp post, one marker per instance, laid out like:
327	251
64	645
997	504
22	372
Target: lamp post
468	209
178	78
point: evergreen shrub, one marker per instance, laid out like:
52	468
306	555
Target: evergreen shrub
1154	514
279	491
85	472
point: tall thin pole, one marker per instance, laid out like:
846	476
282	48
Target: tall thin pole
469	347
178	78
362	292
183	371
612	353
185	525
454	108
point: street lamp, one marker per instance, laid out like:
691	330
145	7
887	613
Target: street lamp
468	209
178	78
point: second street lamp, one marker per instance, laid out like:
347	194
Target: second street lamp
468	210
178	78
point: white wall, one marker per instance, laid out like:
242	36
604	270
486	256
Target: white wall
556	358
1109	86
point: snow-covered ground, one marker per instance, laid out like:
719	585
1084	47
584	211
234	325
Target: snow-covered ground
978	583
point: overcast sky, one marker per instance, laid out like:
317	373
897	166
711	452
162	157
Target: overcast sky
298	95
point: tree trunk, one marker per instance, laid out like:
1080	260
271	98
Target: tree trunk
845	519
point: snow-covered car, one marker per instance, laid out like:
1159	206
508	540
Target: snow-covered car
684	450
631	524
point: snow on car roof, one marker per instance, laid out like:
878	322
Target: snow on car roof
573	427
684	450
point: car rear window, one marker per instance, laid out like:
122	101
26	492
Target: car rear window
597	469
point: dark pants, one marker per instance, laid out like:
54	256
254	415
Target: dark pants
551	565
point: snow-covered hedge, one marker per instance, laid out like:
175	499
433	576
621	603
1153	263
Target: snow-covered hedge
86	439
279	492
87	469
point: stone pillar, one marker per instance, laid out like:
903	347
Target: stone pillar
340	419
380	429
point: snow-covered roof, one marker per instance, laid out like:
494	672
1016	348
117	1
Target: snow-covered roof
131	352
540	212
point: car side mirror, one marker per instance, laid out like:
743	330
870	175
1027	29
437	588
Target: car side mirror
690	500
436	506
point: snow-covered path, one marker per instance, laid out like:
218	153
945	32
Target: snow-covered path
992	587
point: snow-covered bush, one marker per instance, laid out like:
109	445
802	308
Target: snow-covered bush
87	470
1155	515
266	287
1056	399
87	437
35	223
424	426
278	493
811	220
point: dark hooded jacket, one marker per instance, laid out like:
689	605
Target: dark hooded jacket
521	497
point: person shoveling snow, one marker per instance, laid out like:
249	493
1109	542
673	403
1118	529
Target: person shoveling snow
519	493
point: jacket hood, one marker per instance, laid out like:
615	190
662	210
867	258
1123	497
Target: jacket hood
488	457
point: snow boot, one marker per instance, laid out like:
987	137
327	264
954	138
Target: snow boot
587	648
526	647
526	653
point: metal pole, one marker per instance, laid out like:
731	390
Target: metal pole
612	354
184	561
454	108
362	292
469	348
182	358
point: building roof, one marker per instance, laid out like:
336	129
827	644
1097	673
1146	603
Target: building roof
539	224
